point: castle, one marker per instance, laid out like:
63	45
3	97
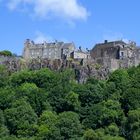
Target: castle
52	51
116	54
98	62
111	55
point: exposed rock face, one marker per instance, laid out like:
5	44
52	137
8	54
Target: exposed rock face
13	64
83	73
105	58
83	70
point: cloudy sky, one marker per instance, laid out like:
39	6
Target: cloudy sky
84	22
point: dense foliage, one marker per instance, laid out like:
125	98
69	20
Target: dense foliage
6	53
47	105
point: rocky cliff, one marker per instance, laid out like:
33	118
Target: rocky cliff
83	70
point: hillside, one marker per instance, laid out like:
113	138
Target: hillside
47	105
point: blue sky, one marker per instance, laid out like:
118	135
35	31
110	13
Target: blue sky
85	22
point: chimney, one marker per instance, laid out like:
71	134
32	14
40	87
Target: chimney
80	48
106	41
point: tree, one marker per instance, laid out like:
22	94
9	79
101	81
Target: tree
99	134
136	134
6	53
90	93
18	78
72	101
3	129
47	126
35	96
131	99
21	118
44	78
3	76
103	114
7	96
62	86
90	134
112	130
69	124
133	124
121	79
134	73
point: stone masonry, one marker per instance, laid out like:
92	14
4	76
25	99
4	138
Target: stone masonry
116	54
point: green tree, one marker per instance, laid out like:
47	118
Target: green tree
5	53
131	99
134	73
99	134
35	96
90	134
44	78
21	118
90	93
112	130
7	96
47	127
121	79
18	78
3	76
133	124
69	124
103	114
3	129
72	101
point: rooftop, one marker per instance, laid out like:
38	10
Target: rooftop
107	44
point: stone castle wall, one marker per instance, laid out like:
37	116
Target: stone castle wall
103	60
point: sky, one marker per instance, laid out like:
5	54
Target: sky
84	22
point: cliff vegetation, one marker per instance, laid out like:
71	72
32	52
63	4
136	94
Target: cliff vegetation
51	105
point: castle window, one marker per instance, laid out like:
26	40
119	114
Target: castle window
122	54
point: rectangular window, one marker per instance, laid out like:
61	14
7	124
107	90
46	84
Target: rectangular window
122	54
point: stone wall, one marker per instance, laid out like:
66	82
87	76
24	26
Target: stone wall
53	50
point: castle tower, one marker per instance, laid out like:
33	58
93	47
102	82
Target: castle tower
26	52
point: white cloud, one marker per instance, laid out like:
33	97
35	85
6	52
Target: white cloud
40	37
111	35
68	9
14	4
126	40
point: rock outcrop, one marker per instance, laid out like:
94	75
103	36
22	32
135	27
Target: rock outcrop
83	70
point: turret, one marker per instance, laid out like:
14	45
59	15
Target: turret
27	44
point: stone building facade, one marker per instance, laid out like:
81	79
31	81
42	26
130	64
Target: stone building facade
54	50
51	51
116	54
79	54
110	55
